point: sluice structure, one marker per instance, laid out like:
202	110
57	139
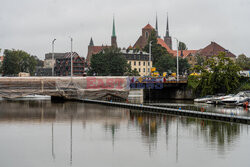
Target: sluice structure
76	88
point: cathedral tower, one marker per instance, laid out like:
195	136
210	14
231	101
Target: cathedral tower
167	38
156	27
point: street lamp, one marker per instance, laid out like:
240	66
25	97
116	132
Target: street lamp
53	59
177	61
71	40
150	45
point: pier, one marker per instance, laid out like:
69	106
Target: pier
173	111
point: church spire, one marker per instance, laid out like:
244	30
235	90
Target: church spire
167	29
91	43
113	31
167	38
156	26
113	37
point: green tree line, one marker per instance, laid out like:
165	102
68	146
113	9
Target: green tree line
16	61
218	74
110	62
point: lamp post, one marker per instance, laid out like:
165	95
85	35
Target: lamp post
150	45
53	56
71	40
177	61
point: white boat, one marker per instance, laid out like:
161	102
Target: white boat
218	99
241	97
30	97
204	99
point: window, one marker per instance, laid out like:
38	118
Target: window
139	70
144	63
130	62
139	63
149	63
143	69
134	63
148	69
146	34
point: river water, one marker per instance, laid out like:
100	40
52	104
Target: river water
41	133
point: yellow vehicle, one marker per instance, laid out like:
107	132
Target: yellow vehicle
155	74
195	74
164	74
153	69
173	74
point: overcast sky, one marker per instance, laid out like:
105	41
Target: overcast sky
31	25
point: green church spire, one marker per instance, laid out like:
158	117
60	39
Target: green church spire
113	32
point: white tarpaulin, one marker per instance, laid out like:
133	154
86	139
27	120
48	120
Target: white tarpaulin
67	87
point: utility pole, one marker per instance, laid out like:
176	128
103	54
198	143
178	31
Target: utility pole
150	45
177	59
53	56
71	39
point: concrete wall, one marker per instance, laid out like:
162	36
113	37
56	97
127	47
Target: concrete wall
174	93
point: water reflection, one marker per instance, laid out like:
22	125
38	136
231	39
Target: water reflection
122	128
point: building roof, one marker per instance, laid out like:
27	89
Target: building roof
56	55
125	51
148	27
184	53
97	49
141	42
130	47
213	49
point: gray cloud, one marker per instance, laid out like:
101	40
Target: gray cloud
32	25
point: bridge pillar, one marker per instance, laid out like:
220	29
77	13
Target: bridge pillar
176	92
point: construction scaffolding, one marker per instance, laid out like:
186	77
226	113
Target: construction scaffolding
78	88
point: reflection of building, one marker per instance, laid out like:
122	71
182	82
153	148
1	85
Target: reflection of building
138	60
63	65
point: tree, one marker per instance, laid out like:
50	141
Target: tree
243	61
39	63
156	50
219	74
166	63
109	62
183	65
131	72
16	61
199	60
182	46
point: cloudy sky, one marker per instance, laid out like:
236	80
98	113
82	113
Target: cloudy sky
31	25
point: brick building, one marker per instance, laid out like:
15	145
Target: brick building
92	49
190	55
63	65
214	49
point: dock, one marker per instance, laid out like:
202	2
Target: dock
173	111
